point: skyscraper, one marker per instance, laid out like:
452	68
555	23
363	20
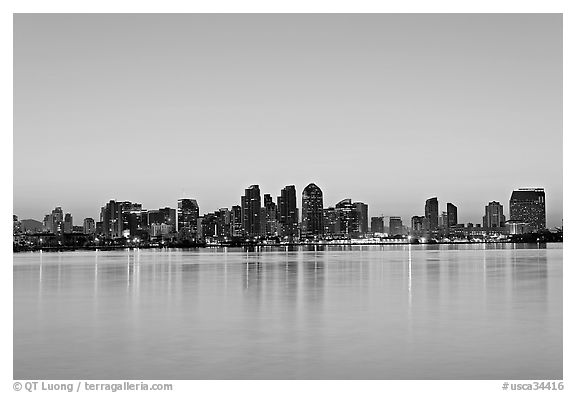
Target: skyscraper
312	211
270	218
418	223
361	213
346	216
251	204
111	218
528	205
494	215
431	214
331	221
236	221
89	226
395	226
188	213
377	224
68	223
287	212
452	215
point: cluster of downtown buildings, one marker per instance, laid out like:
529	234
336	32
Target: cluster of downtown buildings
263	220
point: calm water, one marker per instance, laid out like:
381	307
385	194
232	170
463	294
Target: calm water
392	312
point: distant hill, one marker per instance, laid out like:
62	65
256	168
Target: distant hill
31	225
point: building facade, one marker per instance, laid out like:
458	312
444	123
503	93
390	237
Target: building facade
312	211
494	215
251	210
431	214
528	205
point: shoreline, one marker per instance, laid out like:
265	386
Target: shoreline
250	246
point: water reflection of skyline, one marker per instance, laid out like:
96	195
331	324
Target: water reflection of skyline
306	305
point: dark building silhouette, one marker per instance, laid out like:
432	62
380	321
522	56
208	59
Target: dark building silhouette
346	216
111	218
361	215
452	214
377	224
287	212
188	213
270	218
134	219
395	226
312	211
528	205
207	227
431	214
223	223
68	223
89	227
251	210
494	215
236	222
418	223
331	221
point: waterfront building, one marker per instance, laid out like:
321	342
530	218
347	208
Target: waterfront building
207	227
251	210
236	221
417	223
528	205
431	214
331	222
452	215
443	220
377	224
89	226
494	215
312	211
111	218
188	213
288	213
223	223
68	223
346	216
361	218
396	227
270	216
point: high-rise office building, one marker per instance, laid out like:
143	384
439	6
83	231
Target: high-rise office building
528	205
377	224
361	213
431	214
494	215
331	221
89	226
223	223
134	219
347	218
111	218
287	212
270	216
188	213
395	226
312	211
251	210
236	224
418	223
452	212
68	223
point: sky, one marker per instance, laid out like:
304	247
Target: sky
387	109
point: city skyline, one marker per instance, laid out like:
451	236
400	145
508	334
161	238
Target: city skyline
258	203
386	109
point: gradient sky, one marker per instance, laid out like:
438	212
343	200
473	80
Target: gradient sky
388	109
